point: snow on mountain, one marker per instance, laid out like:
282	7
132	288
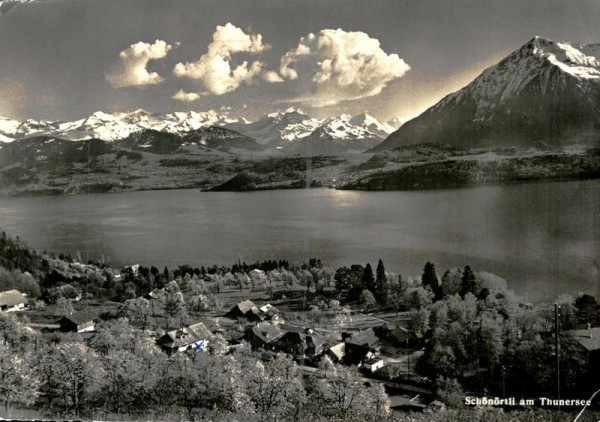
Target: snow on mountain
543	94
370	123
339	134
347	128
540	58
395	122
279	128
110	127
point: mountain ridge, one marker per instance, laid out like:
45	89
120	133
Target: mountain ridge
542	94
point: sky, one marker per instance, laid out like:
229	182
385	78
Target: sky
65	59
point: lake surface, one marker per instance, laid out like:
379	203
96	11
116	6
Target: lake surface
544	238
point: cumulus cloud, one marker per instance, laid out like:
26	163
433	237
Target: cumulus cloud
131	70
214	68
272	77
343	65
187	97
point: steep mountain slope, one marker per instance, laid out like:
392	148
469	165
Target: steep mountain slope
544	94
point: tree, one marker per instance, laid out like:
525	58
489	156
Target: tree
138	311
368	280
18	380
430	280
367	298
350	281
344	392
71	376
468	282
398	289
124	381
381	283
451	282
587	310
276	388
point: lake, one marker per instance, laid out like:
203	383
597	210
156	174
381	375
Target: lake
544	238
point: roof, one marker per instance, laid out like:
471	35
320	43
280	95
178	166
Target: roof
241	308
186	335
588	338
12	298
339	350
246	306
81	317
267	332
403	334
366	337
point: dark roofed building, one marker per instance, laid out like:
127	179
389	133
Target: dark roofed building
241	310
12	300
360	344
78	322
263	335
194	336
300	341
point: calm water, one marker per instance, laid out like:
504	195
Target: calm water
544	238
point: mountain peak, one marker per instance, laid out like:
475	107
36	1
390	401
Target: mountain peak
544	93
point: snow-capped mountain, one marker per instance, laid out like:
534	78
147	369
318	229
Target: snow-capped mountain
341	134
276	130
279	128
371	124
544	94
286	128
110	127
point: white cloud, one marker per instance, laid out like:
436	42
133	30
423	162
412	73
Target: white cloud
272	77
214	68
131	70
188	97
343	65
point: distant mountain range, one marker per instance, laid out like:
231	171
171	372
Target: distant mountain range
544	94
290	130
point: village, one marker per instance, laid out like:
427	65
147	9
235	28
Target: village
381	345
396	344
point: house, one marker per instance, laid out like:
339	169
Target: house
241	310
360	344
373	364
337	352
300	341
248	310
589	340
12	300
270	312
193	337
263	335
78	322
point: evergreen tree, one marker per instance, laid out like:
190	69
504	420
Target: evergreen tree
368	280
381	283
430	280
467	284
